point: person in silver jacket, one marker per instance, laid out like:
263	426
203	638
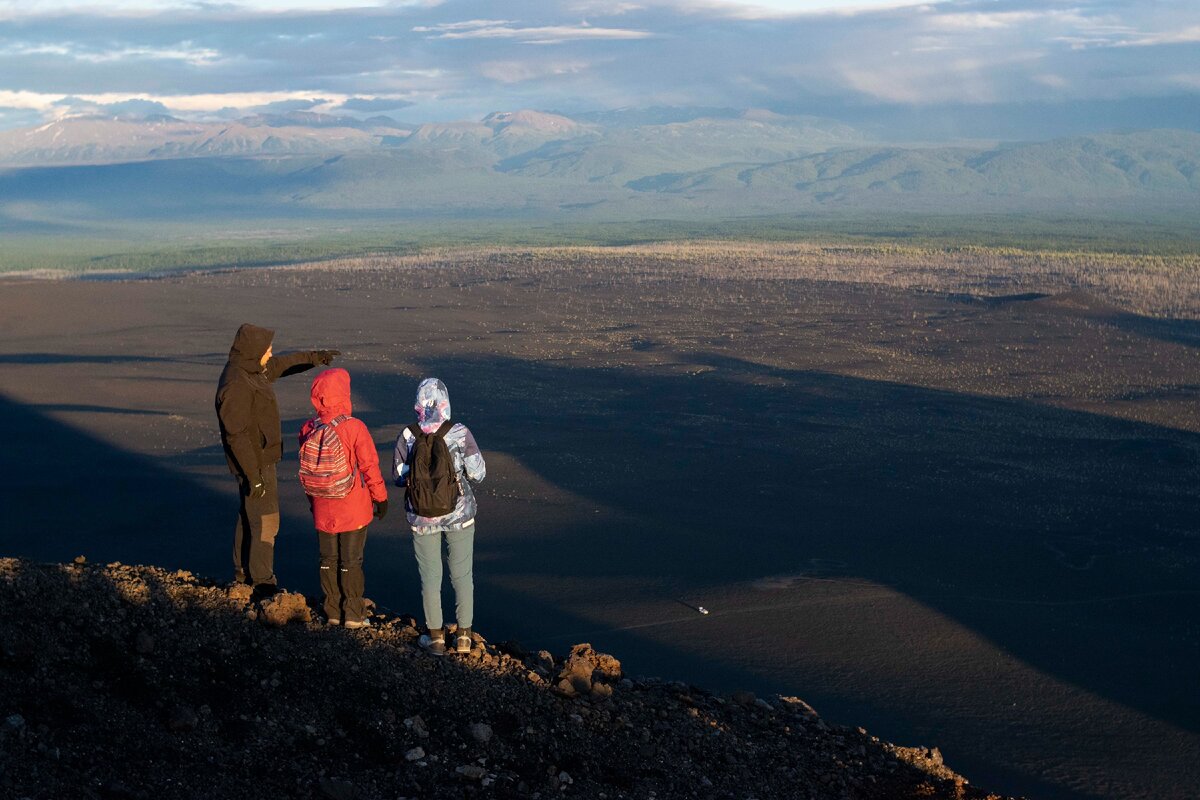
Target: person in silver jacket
453	532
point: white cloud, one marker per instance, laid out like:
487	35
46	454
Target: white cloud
1051	80
465	25
1189	35
960	80
978	21
1186	80
547	34
199	103
183	51
782	9
463	56
604	8
36	50
15	9
522	71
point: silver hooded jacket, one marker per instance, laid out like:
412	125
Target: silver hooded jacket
433	408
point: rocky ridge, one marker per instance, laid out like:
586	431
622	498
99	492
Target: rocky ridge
131	682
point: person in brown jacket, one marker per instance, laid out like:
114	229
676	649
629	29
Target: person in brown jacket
253	440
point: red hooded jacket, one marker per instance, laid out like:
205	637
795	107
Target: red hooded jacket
331	397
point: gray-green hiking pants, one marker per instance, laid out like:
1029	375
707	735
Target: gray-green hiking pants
460	545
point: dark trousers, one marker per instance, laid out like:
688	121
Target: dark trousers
342	574
254	537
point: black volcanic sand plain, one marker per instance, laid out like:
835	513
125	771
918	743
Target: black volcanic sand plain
957	521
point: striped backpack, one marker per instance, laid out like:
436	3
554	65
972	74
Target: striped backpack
325	468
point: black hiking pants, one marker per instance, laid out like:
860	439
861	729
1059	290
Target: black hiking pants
342	574
254	537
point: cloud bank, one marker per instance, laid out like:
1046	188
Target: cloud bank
459	58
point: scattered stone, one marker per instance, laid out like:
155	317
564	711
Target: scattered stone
241	592
602	663
338	789
471	772
283	608
81	560
513	649
415	754
580	666
481	732
742	697
796	705
144	644
182	719
116	790
14	725
418	726
580	682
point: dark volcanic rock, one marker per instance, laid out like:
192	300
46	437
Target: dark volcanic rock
158	684
182	719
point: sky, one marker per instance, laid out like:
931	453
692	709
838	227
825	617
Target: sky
429	60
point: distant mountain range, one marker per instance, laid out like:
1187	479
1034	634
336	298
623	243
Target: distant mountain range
618	165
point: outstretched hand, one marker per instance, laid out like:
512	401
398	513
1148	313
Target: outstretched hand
325	357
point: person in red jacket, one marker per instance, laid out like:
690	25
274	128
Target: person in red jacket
342	522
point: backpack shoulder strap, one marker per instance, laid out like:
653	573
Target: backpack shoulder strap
444	428
350	454
415	430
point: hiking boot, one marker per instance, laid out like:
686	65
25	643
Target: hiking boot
264	591
462	642
434	642
355	624
333	621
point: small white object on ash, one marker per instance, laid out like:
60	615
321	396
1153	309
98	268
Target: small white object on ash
697	609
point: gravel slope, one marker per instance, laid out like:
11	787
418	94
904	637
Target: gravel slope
133	682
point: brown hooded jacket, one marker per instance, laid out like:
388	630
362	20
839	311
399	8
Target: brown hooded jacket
246	406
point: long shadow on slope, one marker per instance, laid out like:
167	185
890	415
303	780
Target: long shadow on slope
941	495
67	493
993	512
74	358
1087	306
1178	331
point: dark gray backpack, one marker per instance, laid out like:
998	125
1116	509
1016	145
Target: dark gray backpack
432	483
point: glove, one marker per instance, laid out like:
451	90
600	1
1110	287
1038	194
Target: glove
381	507
254	488
325	357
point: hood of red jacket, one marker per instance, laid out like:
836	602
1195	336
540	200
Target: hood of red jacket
330	394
